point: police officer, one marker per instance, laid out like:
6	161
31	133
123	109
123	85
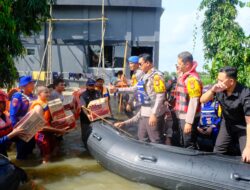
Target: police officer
234	99
151	94
19	106
187	99
88	95
136	76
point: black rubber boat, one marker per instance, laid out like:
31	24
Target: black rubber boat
165	166
10	175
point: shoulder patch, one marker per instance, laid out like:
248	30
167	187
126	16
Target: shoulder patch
14	102
159	84
193	87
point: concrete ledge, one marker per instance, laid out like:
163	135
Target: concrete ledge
121	3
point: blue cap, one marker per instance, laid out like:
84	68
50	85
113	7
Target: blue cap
24	80
90	82
133	59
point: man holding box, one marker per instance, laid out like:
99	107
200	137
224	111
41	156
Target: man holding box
45	138
19	106
85	98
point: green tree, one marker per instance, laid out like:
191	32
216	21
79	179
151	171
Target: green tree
16	18
224	39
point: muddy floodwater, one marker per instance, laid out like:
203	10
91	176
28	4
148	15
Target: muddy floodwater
73	168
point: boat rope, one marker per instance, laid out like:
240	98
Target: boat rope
108	122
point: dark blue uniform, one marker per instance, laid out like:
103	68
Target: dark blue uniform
85	98
19	107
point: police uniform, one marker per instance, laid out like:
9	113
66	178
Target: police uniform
19	107
136	76
151	95
187	104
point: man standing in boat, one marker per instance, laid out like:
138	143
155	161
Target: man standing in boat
151	95
187	99
136	76
234	99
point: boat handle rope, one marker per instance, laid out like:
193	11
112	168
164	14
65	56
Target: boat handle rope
148	158
238	177
99	138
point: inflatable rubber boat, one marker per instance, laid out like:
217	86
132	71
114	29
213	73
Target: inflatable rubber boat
163	166
10	175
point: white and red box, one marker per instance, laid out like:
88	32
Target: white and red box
68	121
56	109
32	122
99	109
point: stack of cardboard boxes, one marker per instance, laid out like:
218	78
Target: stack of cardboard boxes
60	117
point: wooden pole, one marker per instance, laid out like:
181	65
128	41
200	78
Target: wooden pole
49	63
108	122
42	62
124	70
101	55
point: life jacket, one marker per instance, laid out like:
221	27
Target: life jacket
133	80
142	95
5	125
104	91
181	92
210	114
46	113
10	94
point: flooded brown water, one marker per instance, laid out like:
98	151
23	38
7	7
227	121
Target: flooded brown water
73	169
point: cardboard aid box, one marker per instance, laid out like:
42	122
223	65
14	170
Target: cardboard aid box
56	109
68	121
68	102
31	122
99	108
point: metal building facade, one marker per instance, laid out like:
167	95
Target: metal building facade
77	44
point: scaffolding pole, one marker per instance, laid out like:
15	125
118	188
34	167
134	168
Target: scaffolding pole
103	19
101	55
49	79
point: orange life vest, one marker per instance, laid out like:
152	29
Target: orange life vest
46	112
181	92
10	94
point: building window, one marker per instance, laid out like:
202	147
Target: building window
140	50
30	51
94	54
118	56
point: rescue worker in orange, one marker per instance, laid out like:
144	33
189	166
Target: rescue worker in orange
45	139
187	99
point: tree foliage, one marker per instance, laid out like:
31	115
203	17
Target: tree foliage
224	39
16	18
